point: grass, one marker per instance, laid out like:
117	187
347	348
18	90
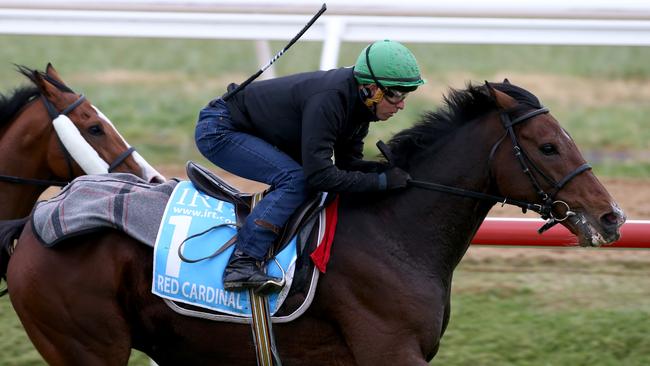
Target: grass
519	307
545	310
153	88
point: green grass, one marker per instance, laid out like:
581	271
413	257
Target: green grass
557	307
15	348
153	88
546	310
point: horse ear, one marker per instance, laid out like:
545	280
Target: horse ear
43	85
51	71
506	81
501	99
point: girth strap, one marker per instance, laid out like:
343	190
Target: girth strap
263	338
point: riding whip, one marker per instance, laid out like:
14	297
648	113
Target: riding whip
259	72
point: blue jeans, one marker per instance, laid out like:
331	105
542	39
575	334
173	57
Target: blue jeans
252	158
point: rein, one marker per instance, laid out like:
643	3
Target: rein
545	209
33	182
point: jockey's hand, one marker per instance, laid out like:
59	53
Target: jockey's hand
396	178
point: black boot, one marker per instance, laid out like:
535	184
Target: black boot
243	271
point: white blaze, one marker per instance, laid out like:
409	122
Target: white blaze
84	154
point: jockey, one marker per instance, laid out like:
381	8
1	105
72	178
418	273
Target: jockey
304	133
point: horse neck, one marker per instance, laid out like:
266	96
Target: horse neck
26	141
435	228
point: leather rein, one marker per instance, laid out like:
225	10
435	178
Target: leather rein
544	209
53	113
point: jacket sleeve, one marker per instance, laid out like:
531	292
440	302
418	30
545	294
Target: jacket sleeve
349	155
323	121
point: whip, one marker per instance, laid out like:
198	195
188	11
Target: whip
259	72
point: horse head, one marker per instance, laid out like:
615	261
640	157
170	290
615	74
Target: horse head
85	142
536	160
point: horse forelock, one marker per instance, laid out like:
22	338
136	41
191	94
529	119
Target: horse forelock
460	107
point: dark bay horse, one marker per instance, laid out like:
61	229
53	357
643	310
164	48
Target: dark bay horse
385	298
36	155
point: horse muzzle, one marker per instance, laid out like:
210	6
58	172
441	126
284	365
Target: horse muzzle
595	231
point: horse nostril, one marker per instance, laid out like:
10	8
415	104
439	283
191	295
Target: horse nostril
610	221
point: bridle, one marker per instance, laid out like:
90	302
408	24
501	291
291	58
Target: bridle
545	209
53	113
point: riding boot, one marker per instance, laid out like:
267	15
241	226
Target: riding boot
243	271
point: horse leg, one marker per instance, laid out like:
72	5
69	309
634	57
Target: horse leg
65	299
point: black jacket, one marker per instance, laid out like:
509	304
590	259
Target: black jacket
311	117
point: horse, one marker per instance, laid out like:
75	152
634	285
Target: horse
39	154
385	297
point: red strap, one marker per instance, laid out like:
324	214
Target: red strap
321	255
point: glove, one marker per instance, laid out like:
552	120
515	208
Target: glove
395	178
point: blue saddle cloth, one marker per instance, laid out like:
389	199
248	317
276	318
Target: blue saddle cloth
190	212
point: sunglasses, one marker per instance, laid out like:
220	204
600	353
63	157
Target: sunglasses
394	96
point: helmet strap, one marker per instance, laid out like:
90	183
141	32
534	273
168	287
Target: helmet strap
372	74
371	101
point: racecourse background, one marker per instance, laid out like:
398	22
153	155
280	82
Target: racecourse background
511	306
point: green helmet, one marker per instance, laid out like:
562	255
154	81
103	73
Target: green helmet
388	64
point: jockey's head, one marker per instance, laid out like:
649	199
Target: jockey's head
386	72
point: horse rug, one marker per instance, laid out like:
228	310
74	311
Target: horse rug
182	224
90	203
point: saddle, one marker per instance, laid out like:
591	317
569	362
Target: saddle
210	184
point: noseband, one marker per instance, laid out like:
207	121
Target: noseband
53	113
545	209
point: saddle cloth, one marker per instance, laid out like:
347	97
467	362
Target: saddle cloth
190	212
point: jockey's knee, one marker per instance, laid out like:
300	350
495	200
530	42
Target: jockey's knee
293	181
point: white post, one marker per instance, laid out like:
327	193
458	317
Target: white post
332	43
263	52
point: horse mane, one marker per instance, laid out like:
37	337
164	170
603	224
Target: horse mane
460	106
11	104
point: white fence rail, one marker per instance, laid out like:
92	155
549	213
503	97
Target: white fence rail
519	23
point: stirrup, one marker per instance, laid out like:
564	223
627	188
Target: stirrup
269	286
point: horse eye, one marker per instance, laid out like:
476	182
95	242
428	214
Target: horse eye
548	149
95	130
